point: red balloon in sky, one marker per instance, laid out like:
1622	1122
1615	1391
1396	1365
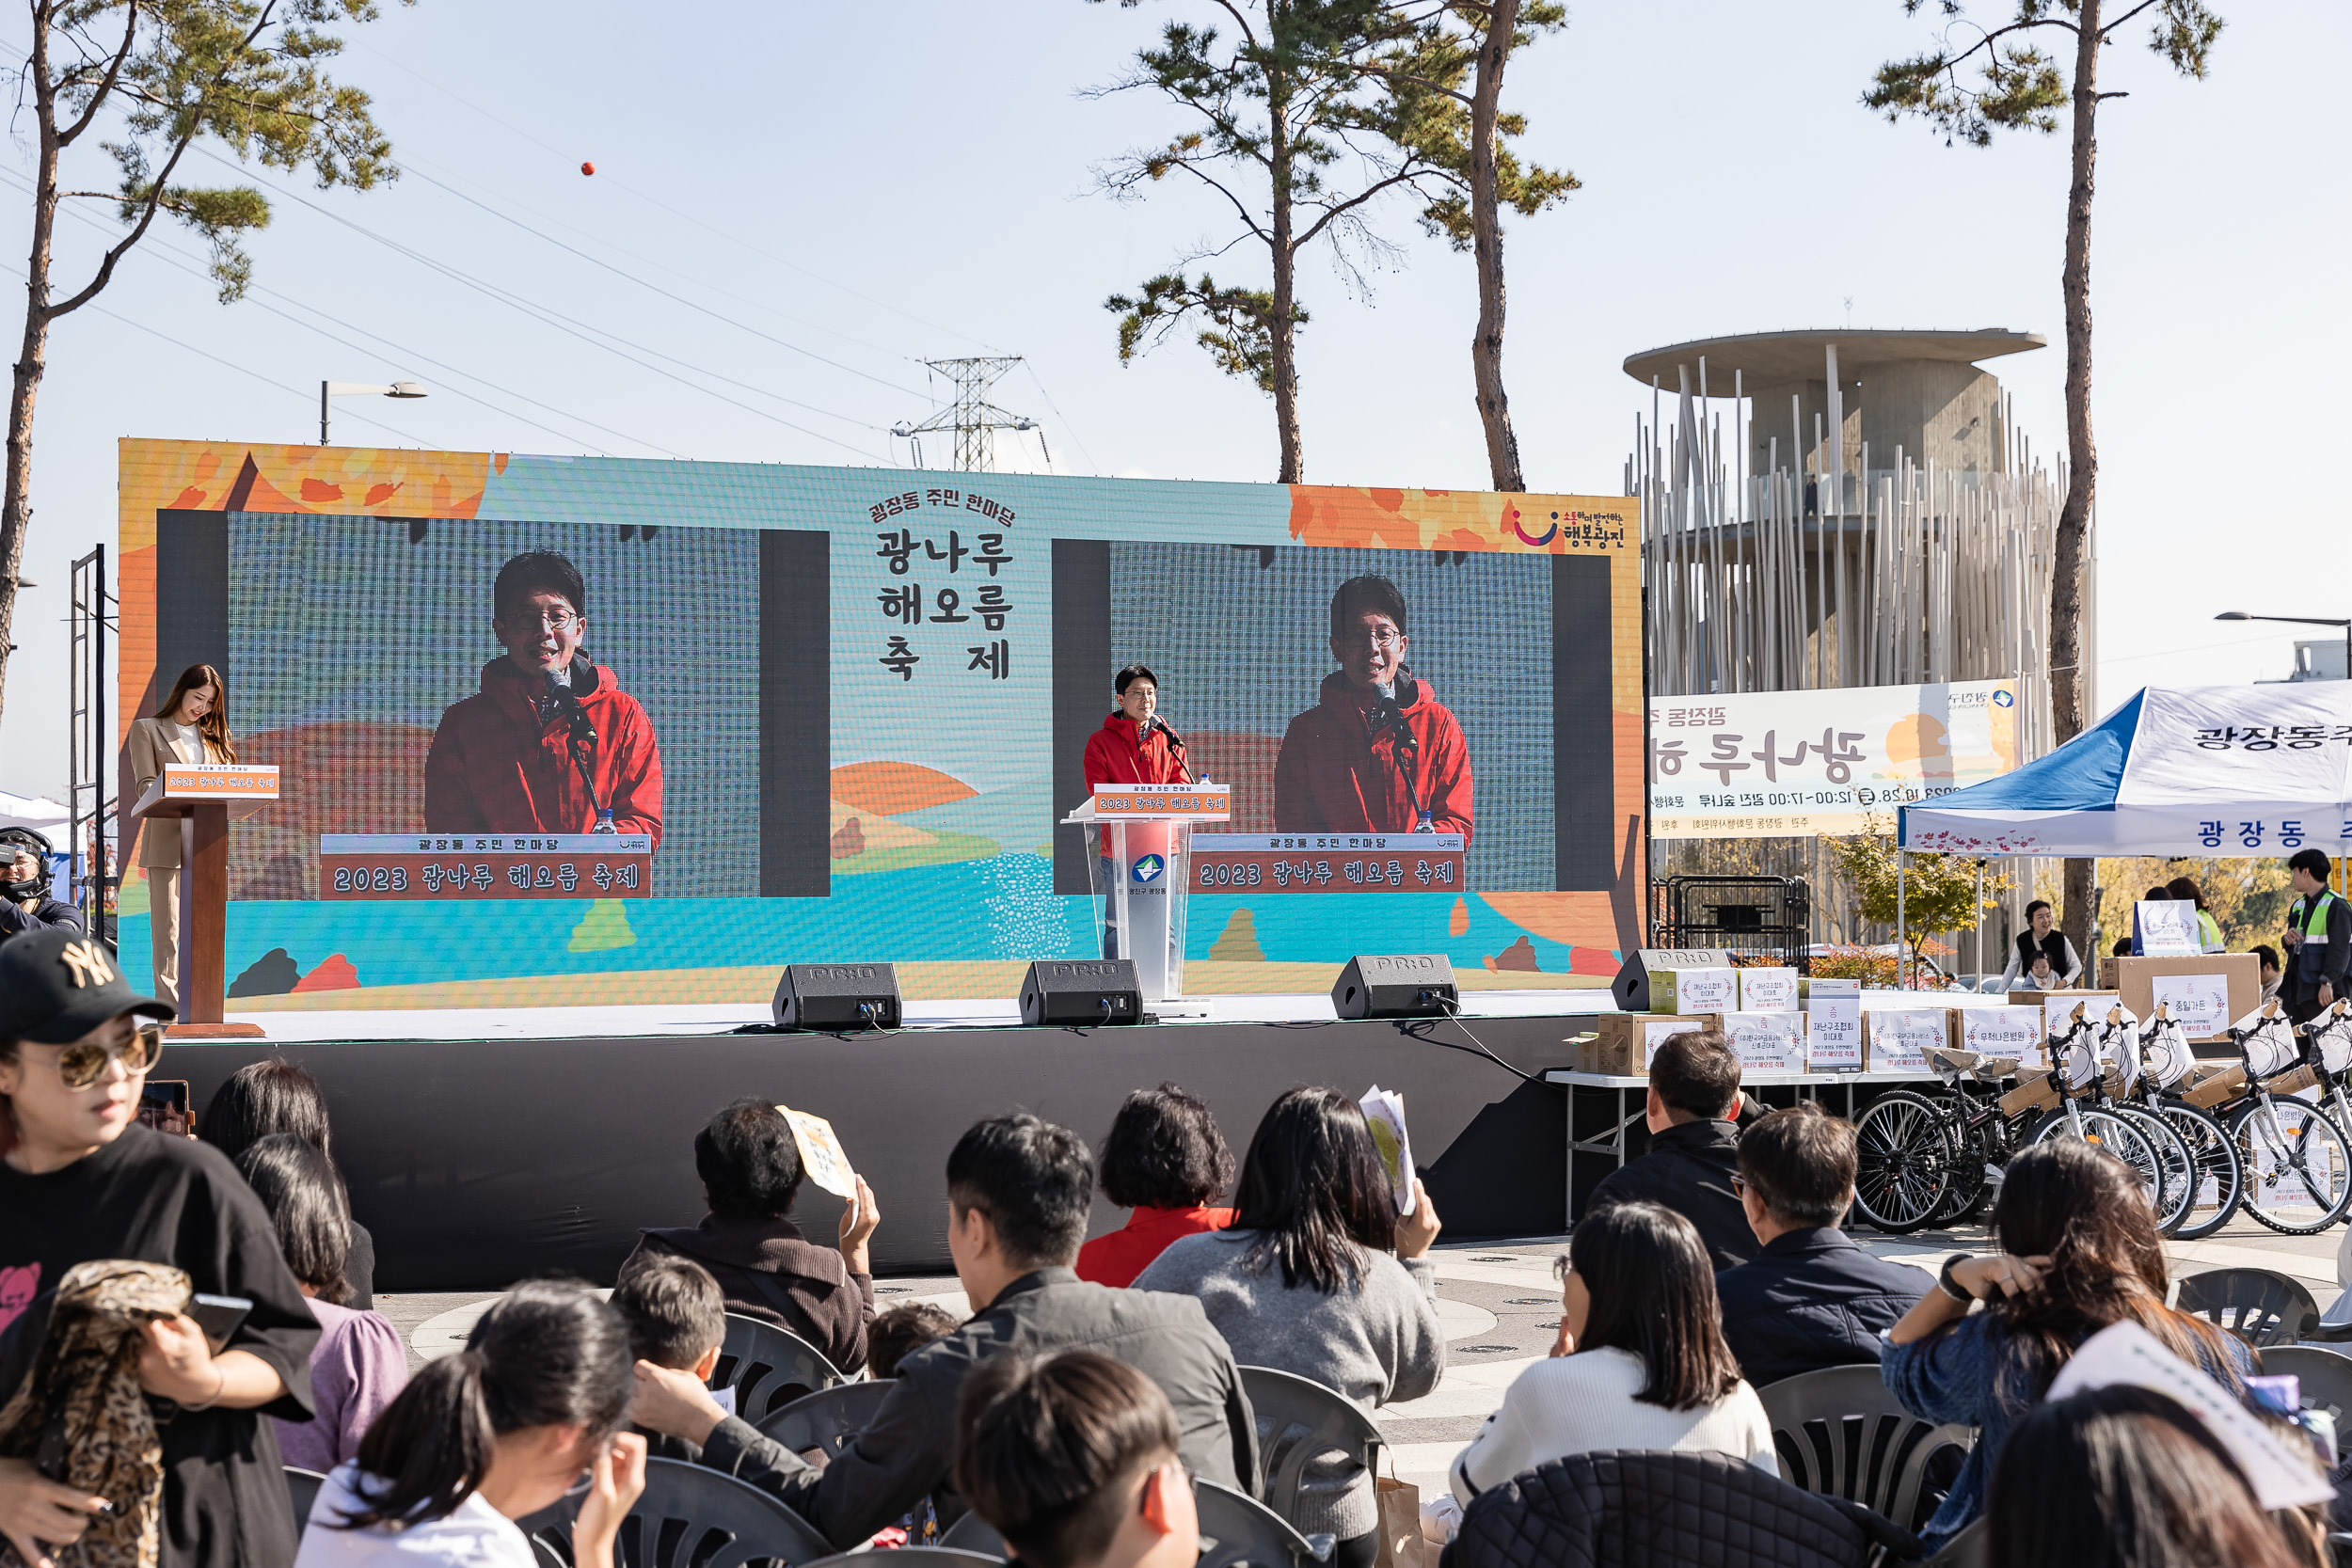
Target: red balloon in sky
587	168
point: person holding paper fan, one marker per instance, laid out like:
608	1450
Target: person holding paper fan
2124	1475
751	1166
2079	1251
1321	1276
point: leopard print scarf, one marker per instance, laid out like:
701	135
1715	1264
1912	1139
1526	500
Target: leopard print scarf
85	1383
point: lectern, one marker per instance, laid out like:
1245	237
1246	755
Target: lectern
1139	842
205	798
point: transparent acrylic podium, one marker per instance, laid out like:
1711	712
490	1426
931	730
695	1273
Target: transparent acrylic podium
1138	840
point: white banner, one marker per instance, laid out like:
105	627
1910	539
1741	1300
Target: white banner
1782	763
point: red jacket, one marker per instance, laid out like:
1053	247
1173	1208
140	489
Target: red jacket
495	767
1113	756
1335	775
1115	1259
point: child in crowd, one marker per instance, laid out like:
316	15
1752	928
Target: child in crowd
903	1330
677	1318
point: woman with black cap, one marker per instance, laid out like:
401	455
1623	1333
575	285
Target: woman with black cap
81	1179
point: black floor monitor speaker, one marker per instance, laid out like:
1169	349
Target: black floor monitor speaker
837	996
1395	985
1631	988
1085	991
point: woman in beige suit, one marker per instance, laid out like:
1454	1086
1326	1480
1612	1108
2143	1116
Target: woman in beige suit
192	725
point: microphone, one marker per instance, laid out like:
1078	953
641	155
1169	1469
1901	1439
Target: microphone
1161	726
583	727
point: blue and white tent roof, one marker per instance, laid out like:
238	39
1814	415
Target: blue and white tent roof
2192	770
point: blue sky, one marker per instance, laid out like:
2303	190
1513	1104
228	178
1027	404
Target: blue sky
828	195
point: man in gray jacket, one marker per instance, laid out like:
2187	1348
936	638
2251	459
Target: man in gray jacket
1018	1193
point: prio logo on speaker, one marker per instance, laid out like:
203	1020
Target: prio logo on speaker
1067	971
1148	868
841	971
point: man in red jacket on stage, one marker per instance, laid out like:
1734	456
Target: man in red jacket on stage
551	744
1134	746
1379	753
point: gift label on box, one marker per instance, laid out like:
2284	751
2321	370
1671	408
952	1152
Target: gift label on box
1767	991
1766	1042
2004	1032
1834	1034
1695	990
1899	1041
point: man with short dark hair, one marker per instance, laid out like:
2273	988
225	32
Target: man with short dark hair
1019	1190
1693	1145
1811	1297
551	744
1072	1459
1377	752
2318	937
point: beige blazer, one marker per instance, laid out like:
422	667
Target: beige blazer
148	749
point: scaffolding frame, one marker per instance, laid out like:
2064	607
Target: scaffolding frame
93	623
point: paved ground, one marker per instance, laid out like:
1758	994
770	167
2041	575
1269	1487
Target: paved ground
1502	1310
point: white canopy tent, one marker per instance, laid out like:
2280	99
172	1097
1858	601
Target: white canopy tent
2189	772
38	812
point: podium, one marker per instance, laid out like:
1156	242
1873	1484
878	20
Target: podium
1138	855
205	798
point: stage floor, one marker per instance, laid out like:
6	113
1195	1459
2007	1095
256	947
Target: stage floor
495	1023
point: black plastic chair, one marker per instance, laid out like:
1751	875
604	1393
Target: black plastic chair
828	1418
1297	1420
769	1368
1968	1550
945	1556
302	1490
2326	1376
1841	1435
2262	1307
973	1533
690	1517
1236	1529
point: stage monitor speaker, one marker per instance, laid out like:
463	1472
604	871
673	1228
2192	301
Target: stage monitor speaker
1631	988
1395	985
1085	991
837	996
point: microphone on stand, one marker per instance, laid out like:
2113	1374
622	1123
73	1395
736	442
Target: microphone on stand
1164	728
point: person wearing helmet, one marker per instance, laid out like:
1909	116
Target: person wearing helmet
25	901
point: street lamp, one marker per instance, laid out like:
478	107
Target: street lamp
2303	621
354	389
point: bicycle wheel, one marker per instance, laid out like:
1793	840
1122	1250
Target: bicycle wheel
2298	1171
2106	1130
2220	1172
2177	1190
1905	1155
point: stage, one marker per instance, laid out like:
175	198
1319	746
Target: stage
483	1147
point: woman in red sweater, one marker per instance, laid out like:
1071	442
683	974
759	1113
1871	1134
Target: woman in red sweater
1165	1160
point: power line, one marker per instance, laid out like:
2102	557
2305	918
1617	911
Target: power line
656	201
567	324
192	266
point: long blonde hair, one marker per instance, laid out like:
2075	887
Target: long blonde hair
214	726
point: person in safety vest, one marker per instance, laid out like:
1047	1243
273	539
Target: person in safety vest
2318	937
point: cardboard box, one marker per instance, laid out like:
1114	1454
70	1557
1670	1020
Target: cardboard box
1898	1038
1767	991
1624	1043
2240	974
1695	990
2001	1032
1832	1027
1766	1042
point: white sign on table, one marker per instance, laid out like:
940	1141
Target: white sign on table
2166	929
1766	1042
1832	1026
1899	1039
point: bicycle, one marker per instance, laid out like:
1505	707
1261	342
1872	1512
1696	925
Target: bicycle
2162	1059
2165	1163
2298	1159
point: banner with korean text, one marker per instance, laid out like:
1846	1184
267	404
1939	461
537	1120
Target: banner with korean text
1786	763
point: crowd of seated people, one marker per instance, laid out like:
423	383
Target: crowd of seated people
1069	1412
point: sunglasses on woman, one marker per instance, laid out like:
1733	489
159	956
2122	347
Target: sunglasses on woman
84	1062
